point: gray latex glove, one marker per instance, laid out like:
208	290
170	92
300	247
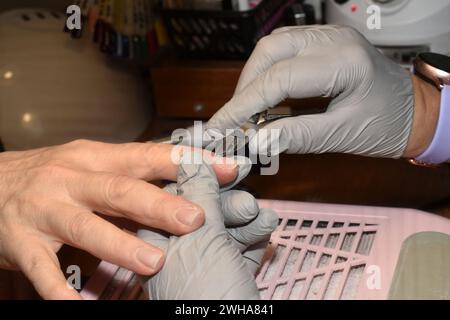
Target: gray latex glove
371	112
213	262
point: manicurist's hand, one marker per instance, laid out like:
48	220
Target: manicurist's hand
219	260
48	197
378	109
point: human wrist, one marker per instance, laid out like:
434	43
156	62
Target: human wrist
427	101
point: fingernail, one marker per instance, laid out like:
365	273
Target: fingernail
149	258
189	215
233	169
227	162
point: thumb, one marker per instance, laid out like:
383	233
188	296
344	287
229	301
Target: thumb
305	76
258	230
303	134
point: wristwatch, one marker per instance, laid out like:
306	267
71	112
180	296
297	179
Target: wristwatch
435	69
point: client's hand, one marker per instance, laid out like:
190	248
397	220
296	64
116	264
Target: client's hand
213	262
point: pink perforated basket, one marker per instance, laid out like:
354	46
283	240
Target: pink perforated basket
317	252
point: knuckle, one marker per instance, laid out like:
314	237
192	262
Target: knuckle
265	44
19	209
147	153
149	149
356	55
79	143
72	148
117	188
35	263
77	227
359	53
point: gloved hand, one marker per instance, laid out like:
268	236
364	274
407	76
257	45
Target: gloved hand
48	197
213	262
371	112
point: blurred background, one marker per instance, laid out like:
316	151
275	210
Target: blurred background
54	89
139	69
49	4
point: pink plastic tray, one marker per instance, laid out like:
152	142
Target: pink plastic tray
317	252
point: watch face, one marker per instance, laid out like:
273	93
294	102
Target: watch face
438	61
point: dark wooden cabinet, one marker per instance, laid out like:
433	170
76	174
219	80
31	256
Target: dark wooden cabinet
193	90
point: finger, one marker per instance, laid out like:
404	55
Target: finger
302	135
149	161
258	230
85	230
137	200
244	167
269	50
282	44
227	170
254	255
239	207
40	264
314	76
